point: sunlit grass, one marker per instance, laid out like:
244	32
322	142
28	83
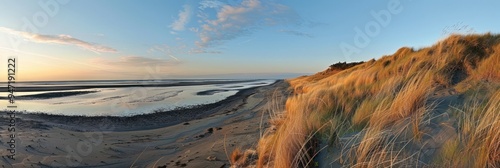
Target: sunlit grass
384	105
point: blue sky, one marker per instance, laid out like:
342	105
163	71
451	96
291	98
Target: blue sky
116	39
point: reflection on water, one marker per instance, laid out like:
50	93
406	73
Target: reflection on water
127	100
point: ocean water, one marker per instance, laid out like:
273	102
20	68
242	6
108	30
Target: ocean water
122	101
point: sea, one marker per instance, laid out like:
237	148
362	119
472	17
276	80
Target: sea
121	97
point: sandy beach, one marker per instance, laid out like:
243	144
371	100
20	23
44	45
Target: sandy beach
249	84
201	136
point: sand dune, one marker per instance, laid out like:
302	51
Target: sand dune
428	107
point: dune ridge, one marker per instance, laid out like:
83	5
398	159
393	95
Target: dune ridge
430	107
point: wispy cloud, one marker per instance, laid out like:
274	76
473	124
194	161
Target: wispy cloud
235	21
134	61
210	4
184	16
203	51
168	50
193	29
296	33
180	49
59	39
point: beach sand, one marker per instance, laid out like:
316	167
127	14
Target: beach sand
199	137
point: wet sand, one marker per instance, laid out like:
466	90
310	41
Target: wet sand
77	87
200	136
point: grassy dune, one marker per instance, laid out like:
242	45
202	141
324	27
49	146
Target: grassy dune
436	106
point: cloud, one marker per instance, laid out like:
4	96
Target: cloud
59	39
184	16
194	29
134	62
210	4
168	50
203	51
296	33
235	21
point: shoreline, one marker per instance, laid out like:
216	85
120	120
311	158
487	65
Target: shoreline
79	87
50	95
152	140
157	119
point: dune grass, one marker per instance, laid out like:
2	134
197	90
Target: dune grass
383	106
478	144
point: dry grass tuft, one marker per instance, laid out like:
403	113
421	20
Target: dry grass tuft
479	142
384	107
243	159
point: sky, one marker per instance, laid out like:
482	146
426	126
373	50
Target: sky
157	39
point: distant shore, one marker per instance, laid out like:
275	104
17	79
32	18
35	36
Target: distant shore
159	118
139	84
50	95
